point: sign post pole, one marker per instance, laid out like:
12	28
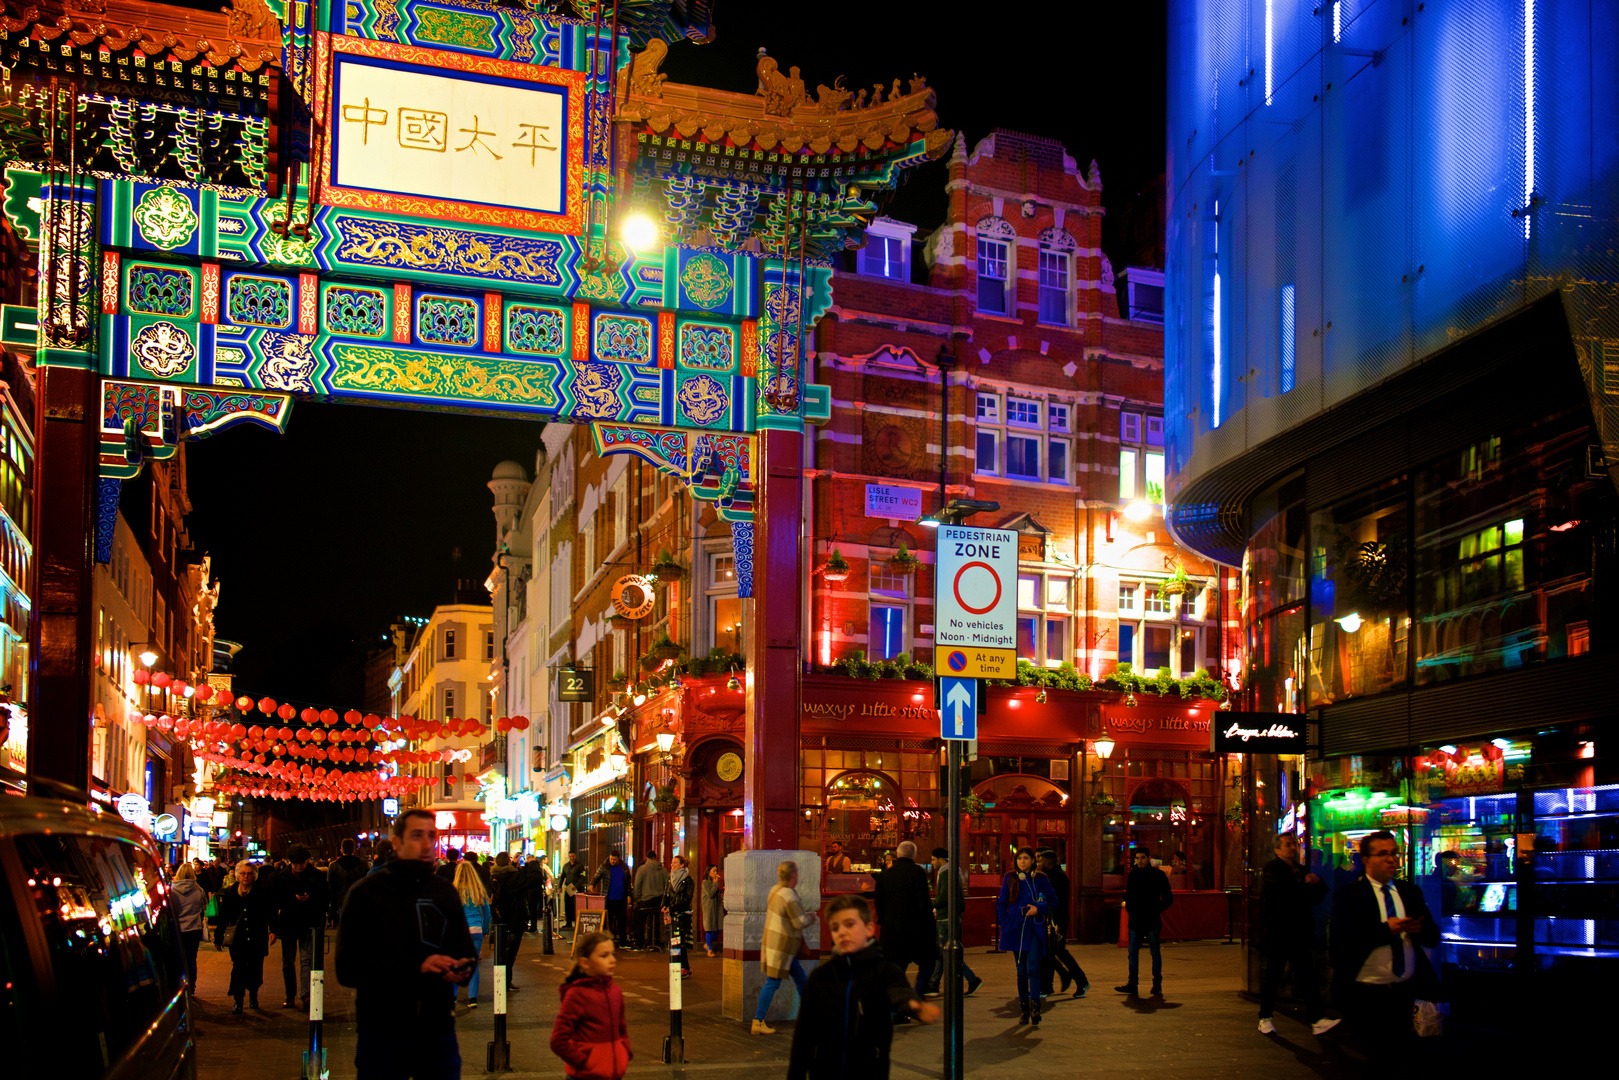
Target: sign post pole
975	593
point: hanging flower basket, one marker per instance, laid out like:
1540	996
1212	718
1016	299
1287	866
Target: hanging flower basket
618	680
1177	584
1100	806
666	650
1233	815
836	569
666	573
975	808
666	801
902	561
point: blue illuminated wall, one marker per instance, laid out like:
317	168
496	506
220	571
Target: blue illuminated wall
1355	185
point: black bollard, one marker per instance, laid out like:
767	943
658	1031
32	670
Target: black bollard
315	1056
500	1051
674	1044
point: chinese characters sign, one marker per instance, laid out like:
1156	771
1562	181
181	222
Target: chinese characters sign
500	144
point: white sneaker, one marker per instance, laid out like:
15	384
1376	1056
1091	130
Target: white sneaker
1266	1026
1322	1026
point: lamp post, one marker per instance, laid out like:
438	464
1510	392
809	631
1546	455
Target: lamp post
955	512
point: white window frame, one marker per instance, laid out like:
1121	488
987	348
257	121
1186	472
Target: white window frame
447	643
987	407
1044	612
1155	430
1055	280
993	468
1026	406
993	252
1059	416
894	263
904	610
488	644
449	703
717	588
621	510
1129	427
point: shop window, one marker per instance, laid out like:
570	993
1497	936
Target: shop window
1359	574
1508	530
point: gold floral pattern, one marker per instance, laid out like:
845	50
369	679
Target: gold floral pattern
418	374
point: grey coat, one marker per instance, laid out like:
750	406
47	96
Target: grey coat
713	910
188	899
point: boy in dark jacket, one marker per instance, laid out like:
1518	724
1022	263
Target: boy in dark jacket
845	1027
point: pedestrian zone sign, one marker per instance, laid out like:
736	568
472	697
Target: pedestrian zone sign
976	589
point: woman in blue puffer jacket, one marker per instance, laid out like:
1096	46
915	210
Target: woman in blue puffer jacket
1026	896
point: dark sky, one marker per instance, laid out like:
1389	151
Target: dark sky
324	535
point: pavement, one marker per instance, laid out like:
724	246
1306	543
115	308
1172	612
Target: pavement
1201	1027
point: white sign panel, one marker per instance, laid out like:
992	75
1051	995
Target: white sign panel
976	588
402	130
888	501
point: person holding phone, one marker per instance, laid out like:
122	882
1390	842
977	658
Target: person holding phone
403	945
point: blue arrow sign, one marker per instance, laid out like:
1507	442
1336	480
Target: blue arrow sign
958	708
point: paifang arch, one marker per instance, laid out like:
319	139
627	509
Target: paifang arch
417	206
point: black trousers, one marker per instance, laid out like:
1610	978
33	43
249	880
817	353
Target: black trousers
1058	958
511	938
567	908
1380	1016
648	921
1298	952
618	922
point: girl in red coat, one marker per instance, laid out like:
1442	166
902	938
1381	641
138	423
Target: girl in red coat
590	1036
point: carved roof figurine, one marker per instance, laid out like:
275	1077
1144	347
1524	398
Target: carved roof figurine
645	78
248	32
780	115
250	18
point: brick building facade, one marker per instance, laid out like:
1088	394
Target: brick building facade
1053	408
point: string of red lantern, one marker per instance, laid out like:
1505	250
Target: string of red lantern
256	757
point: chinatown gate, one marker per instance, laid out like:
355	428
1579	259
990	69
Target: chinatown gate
418	204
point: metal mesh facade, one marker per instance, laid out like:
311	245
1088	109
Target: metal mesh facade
1356	185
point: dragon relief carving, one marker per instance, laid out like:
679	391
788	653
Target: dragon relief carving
645	78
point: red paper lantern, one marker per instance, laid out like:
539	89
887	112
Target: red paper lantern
179	687
352	717
317	734
520	723
238	731
302	734
286	712
370	720
244	703
161	679
266	705
205	693
140	677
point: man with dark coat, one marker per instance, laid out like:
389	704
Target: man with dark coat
1378	970
403	945
510	903
1058	959
300	894
446	868
905	914
537	883
1146	898
572	880
1288	893
345	870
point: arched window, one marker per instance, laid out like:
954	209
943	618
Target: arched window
1057	248
997	263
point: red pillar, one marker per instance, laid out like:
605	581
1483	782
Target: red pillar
773	686
59	714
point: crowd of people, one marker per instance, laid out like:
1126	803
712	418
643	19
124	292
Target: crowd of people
411	928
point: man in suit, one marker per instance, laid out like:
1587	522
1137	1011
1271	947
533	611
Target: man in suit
905	913
1378	971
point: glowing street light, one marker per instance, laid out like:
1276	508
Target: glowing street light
1139	510
639	233
1350	622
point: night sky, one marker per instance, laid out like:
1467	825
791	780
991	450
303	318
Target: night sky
324	535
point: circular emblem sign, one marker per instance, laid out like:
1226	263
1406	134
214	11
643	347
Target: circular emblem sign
729	767
633	597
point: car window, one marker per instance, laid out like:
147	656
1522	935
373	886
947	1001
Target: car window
113	945
19	997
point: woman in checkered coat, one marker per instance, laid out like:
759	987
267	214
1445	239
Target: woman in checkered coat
784	937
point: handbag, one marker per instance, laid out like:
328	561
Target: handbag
227	936
211	909
1054	936
1426	1020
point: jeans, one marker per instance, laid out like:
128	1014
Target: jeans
1151	938
392	1055
768	992
711	939
1028	975
942	929
477	948
189	940
1300	954
295	963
